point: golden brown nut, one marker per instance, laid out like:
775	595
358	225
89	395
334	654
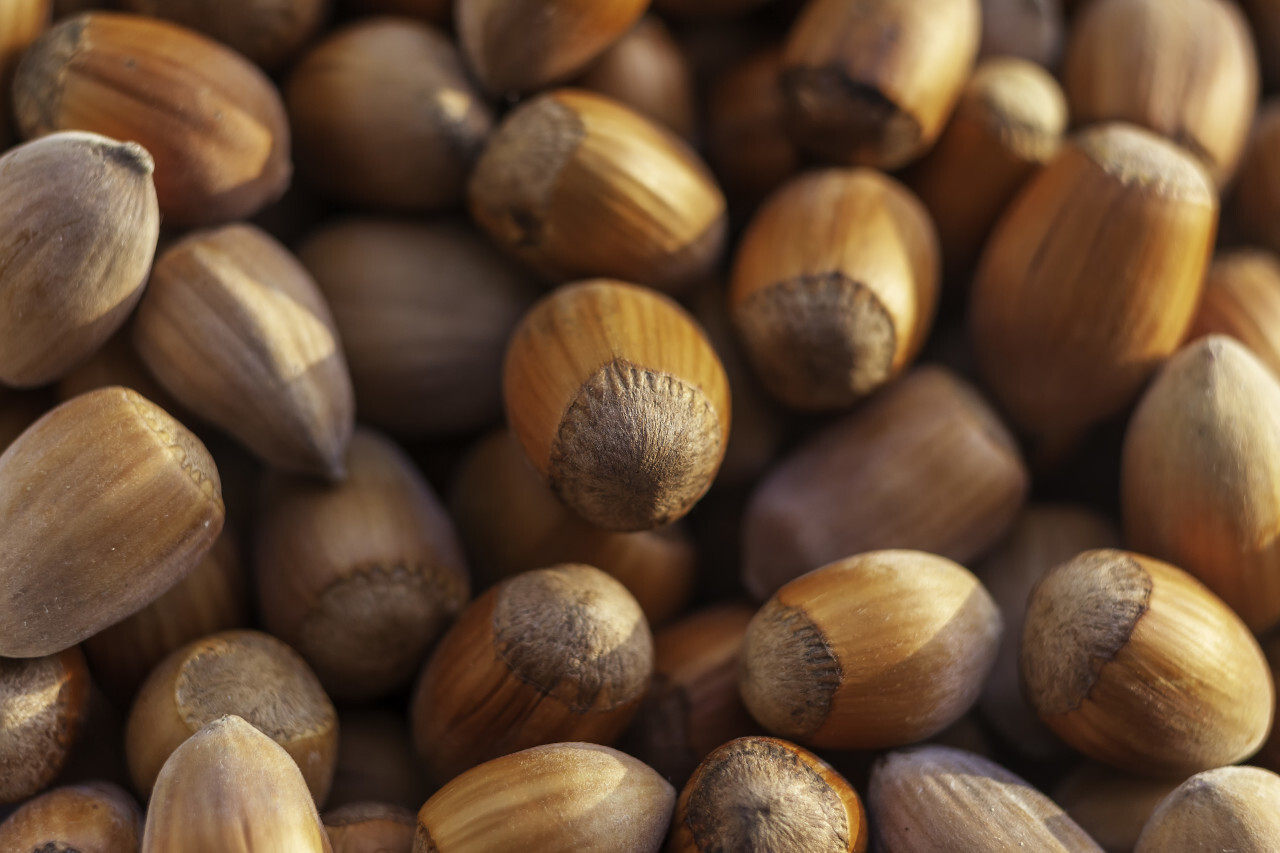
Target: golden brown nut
1090	279
872	82
548	655
562	796
881	649
577	185
106	480
619	401
834	286
246	673
213	122
1137	665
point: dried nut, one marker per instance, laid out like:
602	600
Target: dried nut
43	705
230	787
563	796
1230	808
1265	17
82	224
1008	123
270	32
577	185
747	140
1111	806
878	650
1032	30
761	793
872	82
549	655
834	286
21	21
858	485
1200	478
424	311
106	480
693	704
935	799
236	330
1242	299
246	673
523	45
384	116
1091	278
376	760
1183	68
370	828
97	817
1137	665
1256	204
1041	538
510	522
212	120
647	71
213	597
361	577
619	401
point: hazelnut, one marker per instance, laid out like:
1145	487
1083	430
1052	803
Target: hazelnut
619	401
1136	664
106	480
881	649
